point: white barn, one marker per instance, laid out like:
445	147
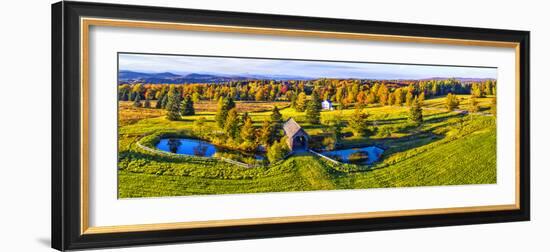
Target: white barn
326	105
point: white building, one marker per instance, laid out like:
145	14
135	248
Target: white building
326	105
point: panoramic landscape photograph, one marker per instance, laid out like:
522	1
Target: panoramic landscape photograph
202	125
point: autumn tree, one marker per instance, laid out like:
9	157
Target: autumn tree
421	98
301	102
267	133
383	93
196	97
339	97
371	98
476	91
259	96
398	97
391	99
409	98
248	132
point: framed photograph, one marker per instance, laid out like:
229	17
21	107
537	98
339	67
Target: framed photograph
181	125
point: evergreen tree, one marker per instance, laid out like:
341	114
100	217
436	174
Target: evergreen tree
132	96
358	122
164	101
276	119
335	127
147	103
173	104
187	106
451	102
313	110
232	124
224	105
276	116
137	101
415	112
159	102
123	92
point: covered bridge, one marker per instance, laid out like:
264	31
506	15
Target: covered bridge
297	138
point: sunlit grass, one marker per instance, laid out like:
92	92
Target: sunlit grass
449	148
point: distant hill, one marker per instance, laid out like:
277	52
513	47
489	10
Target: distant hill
138	77
459	79
125	76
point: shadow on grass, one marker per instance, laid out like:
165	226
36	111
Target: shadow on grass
433	119
135	155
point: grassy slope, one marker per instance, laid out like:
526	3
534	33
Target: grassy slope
294	174
428	157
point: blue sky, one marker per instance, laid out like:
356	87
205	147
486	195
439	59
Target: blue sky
310	69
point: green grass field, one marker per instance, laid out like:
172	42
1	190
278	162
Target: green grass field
450	148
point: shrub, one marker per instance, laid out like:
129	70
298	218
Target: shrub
277	151
384	131
329	143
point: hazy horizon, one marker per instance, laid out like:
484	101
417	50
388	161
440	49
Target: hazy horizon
232	66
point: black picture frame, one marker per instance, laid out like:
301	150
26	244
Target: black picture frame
66	114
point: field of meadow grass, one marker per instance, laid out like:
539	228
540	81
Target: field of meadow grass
448	148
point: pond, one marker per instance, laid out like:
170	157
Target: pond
364	155
200	148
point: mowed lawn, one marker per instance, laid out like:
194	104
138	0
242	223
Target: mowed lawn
450	148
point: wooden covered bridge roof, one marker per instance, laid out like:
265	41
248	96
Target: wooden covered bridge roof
291	128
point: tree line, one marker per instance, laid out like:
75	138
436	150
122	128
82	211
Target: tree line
342	91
